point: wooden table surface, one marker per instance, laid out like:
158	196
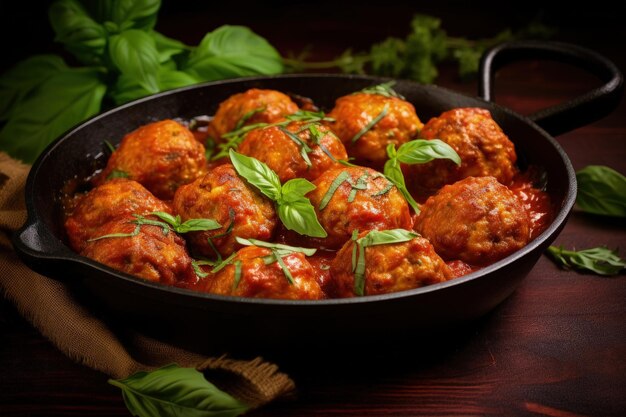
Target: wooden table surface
556	347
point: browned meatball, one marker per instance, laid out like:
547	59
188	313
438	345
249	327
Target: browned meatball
262	106
356	198
283	155
483	147
477	220
151	254
222	196
110	201
390	267
161	156
267	280
354	112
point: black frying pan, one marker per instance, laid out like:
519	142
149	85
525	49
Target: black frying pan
205	319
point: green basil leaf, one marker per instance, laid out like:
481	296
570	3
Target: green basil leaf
167	47
128	89
173	221
396	177
138	14
196	225
84	37
600	260
385	237
420	151
62	101
278	246
19	81
232	51
175	391
300	217
601	190
134	54
296	188
258	174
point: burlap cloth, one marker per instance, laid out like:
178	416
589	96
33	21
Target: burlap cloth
74	330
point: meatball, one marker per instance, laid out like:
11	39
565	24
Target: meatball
476	220
161	156
150	254
353	113
224	197
273	146
356	198
389	268
110	201
260	279
252	106
482	145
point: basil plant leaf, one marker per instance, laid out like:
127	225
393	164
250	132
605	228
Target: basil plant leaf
601	190
384	237
128	88
258	174
19	81
232	51
394	174
600	260
175	391
295	189
85	38
167	47
38	120
300	217
420	151
134	54
137	14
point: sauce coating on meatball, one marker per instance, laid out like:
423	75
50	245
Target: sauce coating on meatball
161	156
224	197
250	107
353	114
285	154
356	198
482	145
476	220
390	267
249	275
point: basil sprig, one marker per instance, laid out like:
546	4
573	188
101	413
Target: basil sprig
294	209
373	238
418	151
167	223
600	260
176	391
601	190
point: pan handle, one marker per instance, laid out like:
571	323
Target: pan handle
574	113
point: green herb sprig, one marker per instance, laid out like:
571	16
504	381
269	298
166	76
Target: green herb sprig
123	58
599	260
601	190
175	391
418	151
384	89
294	209
373	238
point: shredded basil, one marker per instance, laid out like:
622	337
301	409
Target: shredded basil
371	124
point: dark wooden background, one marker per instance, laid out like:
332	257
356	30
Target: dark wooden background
556	347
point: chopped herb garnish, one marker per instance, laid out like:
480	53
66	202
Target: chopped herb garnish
247	116
359	185
343	176
371	124
224	263
383	89
237	265
302	145
117	174
109	146
196	263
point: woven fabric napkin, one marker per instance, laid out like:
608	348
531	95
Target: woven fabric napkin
80	335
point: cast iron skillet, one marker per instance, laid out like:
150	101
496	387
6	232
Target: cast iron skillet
205	319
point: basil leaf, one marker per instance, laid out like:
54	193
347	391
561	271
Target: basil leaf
18	82
420	151
394	174
600	260
194	225
138	14
175	391
232	51
82	36
296	188
167	47
38	120
300	217
359	270
134	53
385	237
601	190
258	174
128	89
278	246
